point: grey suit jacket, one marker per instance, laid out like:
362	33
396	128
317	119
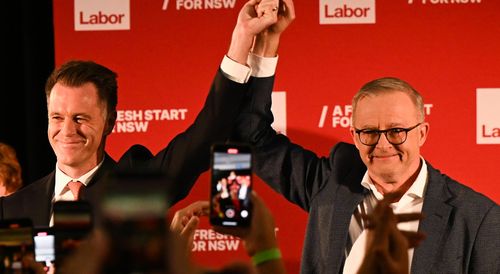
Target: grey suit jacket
182	160
462	226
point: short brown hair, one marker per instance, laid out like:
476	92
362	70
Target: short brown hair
76	73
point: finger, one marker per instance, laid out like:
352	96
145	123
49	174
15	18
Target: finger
269	3
29	262
182	216
256	24
197	206
190	227
253	2
391	261
261	214
287	9
266	11
255	198
382	214
369	221
383	258
260	8
267	7
235	231
185	220
177	223
384	206
392	197
414	238
407	217
202	208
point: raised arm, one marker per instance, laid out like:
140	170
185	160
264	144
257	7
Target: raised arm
288	168
187	156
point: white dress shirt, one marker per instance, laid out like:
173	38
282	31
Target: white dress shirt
257	66
410	202
61	189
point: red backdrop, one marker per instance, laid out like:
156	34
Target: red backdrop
166	53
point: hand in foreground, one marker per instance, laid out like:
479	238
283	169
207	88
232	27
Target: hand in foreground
386	245
89	257
29	262
260	234
186	220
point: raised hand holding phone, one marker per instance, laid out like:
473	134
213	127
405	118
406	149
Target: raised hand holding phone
231	185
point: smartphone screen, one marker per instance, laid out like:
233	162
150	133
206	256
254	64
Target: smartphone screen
72	223
44	242
231	185
134	208
16	241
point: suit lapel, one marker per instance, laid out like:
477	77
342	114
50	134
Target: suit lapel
436	210
97	183
349	195
37	201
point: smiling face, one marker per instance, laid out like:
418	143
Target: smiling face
77	127
389	163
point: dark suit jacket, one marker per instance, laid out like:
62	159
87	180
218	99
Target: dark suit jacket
182	160
462	226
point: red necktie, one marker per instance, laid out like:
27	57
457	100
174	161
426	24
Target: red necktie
76	188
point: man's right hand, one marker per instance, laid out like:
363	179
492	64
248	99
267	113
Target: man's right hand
254	17
267	41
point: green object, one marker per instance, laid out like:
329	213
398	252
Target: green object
266	255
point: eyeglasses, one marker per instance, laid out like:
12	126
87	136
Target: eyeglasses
395	136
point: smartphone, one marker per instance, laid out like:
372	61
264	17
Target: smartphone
16	241
231	185
134	208
44	245
72	223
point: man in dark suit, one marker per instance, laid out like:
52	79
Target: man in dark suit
81	102
388	129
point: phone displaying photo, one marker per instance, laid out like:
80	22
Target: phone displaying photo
16	241
72	223
231	185
44	242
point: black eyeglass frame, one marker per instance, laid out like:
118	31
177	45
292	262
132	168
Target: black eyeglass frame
385	131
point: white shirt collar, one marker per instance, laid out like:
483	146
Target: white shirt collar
415	191
62	179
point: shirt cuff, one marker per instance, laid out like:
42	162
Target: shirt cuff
235	71
262	66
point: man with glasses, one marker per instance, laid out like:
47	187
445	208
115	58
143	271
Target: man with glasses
388	129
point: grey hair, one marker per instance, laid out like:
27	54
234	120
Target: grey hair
389	84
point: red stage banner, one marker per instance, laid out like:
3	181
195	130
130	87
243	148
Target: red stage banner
166	53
